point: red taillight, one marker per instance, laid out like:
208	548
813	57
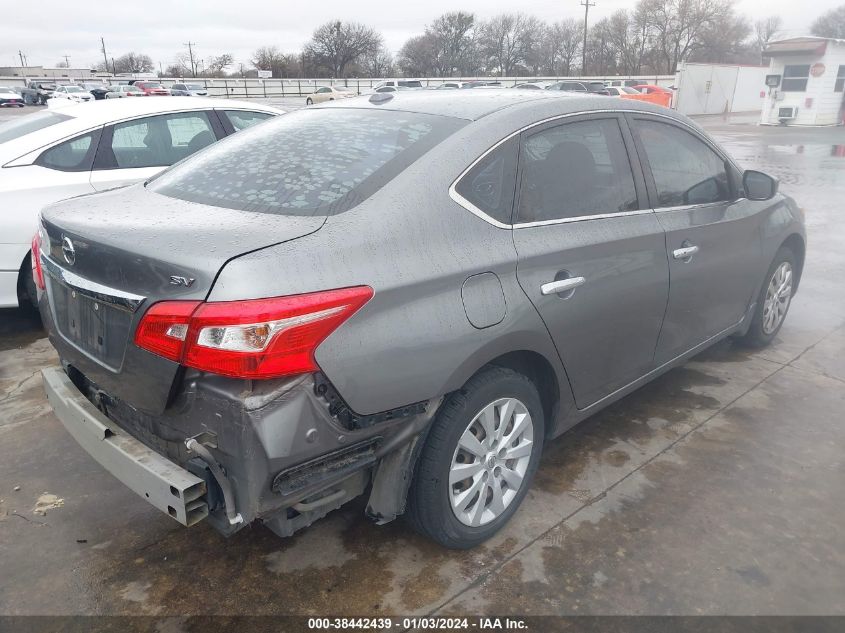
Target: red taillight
164	328
259	338
35	256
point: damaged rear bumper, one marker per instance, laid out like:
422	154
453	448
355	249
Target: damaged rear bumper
165	485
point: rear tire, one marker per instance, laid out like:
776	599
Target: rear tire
27	293
774	300
308	101
478	460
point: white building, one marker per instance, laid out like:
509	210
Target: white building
806	82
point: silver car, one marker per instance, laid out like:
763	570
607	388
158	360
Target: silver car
404	296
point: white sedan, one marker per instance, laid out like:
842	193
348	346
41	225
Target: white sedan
330	93
78	149
77	94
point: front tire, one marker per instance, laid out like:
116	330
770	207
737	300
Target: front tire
478	460
308	101
774	300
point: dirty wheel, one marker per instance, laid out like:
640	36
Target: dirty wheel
774	300
309	101
478	459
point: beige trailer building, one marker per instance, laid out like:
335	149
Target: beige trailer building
805	84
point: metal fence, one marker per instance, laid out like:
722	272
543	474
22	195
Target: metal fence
237	88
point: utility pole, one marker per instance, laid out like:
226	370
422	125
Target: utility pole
586	4
67	60
191	55
20	54
105	57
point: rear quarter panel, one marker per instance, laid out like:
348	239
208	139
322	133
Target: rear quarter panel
415	247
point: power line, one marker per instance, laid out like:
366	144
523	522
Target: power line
586	4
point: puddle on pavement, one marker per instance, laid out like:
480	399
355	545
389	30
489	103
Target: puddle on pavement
659	410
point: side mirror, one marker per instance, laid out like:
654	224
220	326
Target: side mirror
759	186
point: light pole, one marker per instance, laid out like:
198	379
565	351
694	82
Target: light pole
586	4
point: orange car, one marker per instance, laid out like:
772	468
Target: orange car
655	94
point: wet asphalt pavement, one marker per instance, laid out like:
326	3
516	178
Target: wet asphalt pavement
717	489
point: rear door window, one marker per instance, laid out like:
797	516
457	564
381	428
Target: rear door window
159	141
575	170
307	162
685	170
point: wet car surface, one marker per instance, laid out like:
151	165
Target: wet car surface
715	489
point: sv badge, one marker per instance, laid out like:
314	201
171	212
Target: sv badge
181	281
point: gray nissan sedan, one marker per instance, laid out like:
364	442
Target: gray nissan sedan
403	296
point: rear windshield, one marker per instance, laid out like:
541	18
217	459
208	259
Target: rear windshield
309	162
16	128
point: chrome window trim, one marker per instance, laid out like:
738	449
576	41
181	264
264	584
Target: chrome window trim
469	206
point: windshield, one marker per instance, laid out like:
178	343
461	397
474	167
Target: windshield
309	162
342	89
194	87
74	89
150	84
630	91
16	128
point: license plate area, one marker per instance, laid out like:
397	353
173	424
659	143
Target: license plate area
94	326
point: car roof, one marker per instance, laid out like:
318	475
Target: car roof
518	105
469	104
108	110
86	116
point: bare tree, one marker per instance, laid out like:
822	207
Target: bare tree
218	64
831	24
128	63
378	64
452	38
504	41
418	55
678	26
335	45
764	30
280	64
727	40
561	46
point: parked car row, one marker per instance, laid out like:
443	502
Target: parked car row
405	295
37	92
636	91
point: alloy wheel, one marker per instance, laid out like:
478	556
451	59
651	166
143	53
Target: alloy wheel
778	296
489	465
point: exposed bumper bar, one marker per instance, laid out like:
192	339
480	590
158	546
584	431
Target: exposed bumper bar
165	485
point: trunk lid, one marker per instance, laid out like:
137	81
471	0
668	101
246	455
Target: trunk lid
108	257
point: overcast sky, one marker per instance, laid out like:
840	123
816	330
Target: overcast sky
45	30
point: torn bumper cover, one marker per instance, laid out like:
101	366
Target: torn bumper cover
167	486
